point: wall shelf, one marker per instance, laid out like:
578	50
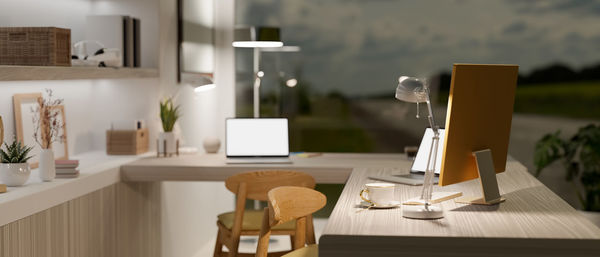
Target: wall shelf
19	73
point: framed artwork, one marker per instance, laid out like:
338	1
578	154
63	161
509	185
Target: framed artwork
1	131
195	40
23	105
60	149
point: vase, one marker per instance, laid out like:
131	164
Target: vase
211	144
14	174
47	167
171	142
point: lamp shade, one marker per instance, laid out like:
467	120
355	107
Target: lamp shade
257	37
411	90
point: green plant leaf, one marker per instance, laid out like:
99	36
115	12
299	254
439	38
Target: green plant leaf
15	153
169	114
547	150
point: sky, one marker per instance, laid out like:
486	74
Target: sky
361	47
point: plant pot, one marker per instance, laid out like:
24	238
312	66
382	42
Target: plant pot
171	142
592	216
47	167
14	174
211	144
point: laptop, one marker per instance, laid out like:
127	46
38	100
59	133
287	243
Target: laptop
257	140
417	170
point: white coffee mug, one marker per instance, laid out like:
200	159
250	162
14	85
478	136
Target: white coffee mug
378	194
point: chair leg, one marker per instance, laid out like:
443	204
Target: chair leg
292	239
310	230
235	244
218	245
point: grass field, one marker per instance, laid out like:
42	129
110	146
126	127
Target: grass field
572	100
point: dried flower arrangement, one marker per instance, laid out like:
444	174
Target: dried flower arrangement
47	126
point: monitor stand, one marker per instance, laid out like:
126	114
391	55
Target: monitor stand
487	178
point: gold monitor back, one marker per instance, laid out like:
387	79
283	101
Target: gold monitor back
480	108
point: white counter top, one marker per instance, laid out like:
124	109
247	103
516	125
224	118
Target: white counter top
97	170
325	168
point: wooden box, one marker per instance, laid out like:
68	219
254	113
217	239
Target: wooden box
126	142
35	46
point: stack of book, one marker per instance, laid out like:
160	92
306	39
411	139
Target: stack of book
67	168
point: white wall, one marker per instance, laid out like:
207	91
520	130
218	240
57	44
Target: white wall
90	107
72	14
190	208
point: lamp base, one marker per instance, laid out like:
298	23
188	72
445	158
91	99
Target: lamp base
421	212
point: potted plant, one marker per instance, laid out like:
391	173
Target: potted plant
14	170
580	155
47	130
169	114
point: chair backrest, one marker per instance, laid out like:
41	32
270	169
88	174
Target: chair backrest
258	183
288	203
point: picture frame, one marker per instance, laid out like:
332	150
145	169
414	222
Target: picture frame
23	104
1	132
60	149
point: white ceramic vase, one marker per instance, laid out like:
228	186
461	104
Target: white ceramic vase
14	174
47	167
171	144
211	144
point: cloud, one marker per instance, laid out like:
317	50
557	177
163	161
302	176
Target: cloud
575	7
361	47
515	28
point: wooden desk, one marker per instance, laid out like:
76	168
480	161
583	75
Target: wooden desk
532	222
328	168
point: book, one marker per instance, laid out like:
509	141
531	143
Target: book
66	171
66	162
67	175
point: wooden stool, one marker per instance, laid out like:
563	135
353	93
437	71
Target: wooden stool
255	186
288	204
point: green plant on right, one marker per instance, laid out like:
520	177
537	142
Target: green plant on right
580	156
169	113
15	153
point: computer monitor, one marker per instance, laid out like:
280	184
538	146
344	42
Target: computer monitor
257	137
480	107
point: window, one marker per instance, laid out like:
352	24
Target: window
352	53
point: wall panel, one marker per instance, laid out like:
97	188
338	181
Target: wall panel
119	220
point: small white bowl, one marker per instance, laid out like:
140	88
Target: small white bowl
14	174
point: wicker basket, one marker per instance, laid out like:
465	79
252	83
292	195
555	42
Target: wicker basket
35	46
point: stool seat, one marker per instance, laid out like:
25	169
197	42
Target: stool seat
307	251
252	220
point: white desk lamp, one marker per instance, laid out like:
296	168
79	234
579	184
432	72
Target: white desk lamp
201	82
257	38
414	90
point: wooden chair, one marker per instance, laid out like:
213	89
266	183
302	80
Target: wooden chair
255	186
286	204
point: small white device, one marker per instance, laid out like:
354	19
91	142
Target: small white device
420	163
257	140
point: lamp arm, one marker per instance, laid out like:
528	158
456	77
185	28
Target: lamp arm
256	96
432	159
257	80
430	114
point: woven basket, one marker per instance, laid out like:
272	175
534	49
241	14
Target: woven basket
35	46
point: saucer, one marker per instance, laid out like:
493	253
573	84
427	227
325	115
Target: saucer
392	204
